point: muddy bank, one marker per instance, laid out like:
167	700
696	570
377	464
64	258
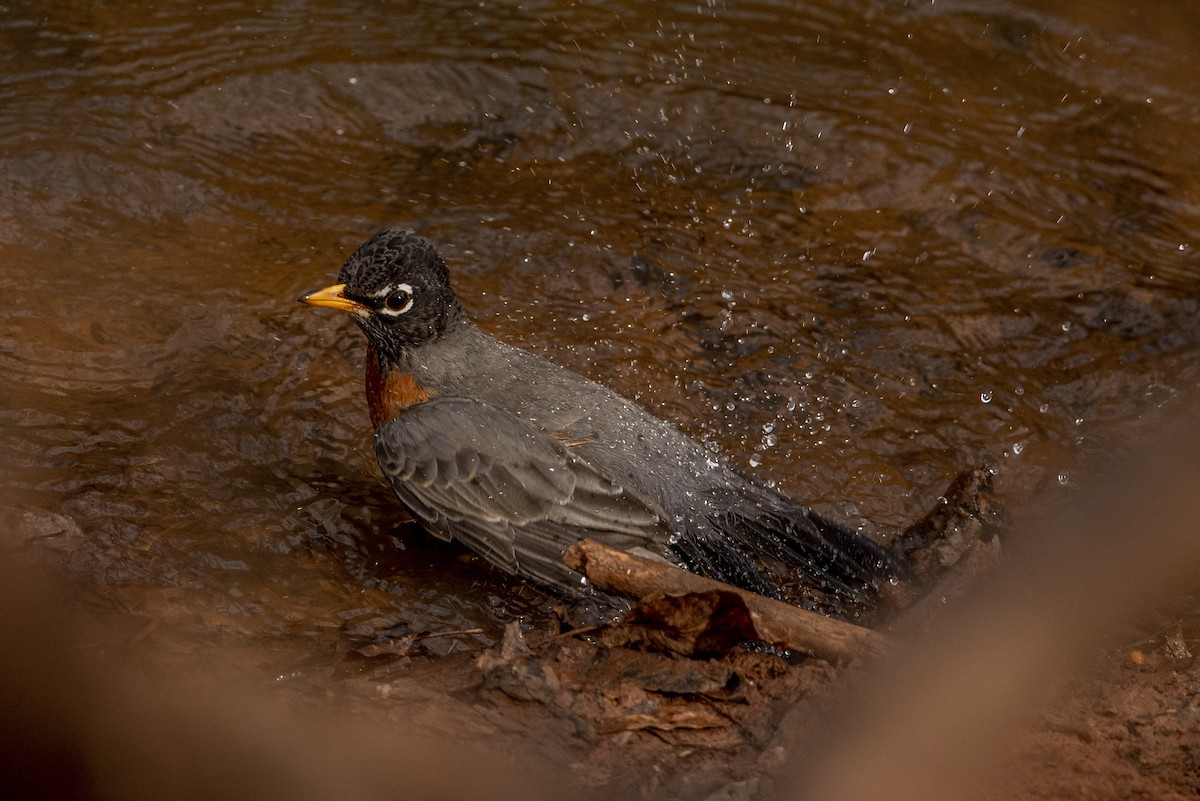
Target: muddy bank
948	710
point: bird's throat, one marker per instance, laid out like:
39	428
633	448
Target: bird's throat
390	391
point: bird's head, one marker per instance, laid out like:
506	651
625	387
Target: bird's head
397	288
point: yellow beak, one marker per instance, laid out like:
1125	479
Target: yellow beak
333	297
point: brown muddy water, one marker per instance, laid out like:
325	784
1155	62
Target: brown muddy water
854	246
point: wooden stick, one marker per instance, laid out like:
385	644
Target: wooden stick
777	622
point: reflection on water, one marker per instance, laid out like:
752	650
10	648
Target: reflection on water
855	247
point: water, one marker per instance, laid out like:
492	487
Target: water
854	247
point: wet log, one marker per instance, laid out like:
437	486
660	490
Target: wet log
778	623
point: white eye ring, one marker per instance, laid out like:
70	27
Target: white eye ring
398	300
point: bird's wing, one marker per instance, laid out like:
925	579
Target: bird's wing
510	491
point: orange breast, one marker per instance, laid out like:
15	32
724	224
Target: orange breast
389	395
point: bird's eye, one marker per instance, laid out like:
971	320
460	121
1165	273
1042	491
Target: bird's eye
399	300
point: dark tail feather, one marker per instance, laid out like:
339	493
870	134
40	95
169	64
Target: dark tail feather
766	543
863	561
718	558
848	569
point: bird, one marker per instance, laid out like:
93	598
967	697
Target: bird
517	457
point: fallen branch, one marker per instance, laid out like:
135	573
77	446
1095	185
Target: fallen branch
776	622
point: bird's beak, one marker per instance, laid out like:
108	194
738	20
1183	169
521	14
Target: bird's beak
333	297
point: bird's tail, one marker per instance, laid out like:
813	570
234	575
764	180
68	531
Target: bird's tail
778	548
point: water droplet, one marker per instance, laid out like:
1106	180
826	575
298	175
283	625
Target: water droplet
755	460
986	396
1064	478
1017	448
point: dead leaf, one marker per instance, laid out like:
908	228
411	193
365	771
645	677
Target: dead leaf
664	719
704	625
515	671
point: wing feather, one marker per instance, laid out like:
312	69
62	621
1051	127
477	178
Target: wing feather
507	489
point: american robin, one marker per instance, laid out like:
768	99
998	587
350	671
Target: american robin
518	458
